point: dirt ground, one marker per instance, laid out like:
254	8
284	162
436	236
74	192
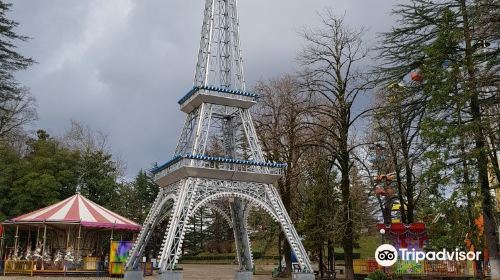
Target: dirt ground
191	272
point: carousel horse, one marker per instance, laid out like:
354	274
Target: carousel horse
37	254
46	256
69	255
28	255
58	257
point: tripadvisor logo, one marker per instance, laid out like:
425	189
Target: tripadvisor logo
387	255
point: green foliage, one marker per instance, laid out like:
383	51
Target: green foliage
448	231
219	257
146	188
321	196
264	232
134	199
443	41
10	161
367	246
196	233
211	257
10	60
377	275
46	175
49	172
98	177
440	127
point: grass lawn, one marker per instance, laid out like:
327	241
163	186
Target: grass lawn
367	246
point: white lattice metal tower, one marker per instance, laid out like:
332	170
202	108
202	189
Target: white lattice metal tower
218	162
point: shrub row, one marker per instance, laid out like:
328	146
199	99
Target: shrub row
256	255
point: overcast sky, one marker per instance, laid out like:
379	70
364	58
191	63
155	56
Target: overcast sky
120	66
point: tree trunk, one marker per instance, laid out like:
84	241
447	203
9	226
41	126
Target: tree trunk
467	182
288	257
348	238
385	206
330	255
321	266
202	235
280	251
493	154
285	197
399	179
408	218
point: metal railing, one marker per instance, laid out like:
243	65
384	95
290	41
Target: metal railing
39	267
18	267
220	164
218	91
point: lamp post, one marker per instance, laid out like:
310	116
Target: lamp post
382	241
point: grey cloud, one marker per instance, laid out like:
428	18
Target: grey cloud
121	65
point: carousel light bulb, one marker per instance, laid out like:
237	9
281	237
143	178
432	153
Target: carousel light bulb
382	231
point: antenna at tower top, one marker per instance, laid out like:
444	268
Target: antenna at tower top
219	59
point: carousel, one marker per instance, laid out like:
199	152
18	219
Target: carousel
75	236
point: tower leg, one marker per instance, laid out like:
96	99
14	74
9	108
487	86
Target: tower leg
291	234
170	275
132	267
172	244
241	235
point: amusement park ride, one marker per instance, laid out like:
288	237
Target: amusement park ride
229	180
393	231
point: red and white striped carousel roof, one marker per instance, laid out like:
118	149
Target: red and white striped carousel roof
78	209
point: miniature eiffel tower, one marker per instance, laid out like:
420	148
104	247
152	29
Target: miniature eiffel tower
218	162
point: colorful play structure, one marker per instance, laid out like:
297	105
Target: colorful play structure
72	237
413	236
400	235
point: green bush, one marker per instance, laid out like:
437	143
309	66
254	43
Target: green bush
221	257
209	257
377	275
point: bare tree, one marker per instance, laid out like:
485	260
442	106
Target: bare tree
372	162
331	72
15	114
85	139
281	123
398	119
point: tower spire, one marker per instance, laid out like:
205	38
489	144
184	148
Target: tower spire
219	59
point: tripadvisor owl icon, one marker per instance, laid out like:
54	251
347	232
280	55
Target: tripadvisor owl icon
386	255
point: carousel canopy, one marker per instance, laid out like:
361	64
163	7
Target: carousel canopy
77	210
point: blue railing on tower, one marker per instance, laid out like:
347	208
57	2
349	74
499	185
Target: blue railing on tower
217	159
195	89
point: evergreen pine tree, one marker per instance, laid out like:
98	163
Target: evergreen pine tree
446	40
15	102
